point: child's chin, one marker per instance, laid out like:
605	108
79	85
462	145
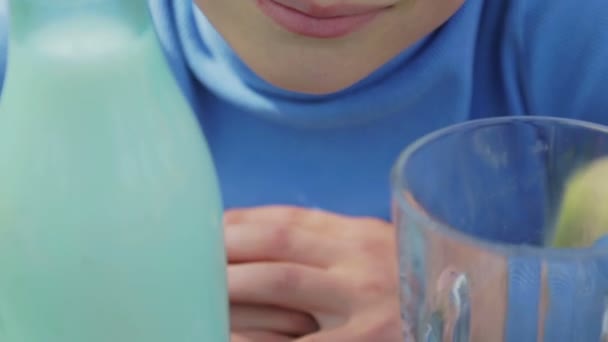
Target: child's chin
317	80
313	88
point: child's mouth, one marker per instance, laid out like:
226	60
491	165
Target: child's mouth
313	21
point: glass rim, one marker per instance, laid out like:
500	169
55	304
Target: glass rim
400	188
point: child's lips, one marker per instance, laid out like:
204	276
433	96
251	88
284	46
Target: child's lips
308	19
313	9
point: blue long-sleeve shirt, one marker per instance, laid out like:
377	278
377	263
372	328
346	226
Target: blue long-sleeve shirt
335	151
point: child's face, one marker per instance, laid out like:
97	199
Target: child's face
305	62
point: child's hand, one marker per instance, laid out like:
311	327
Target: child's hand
342	271
253	322
258	337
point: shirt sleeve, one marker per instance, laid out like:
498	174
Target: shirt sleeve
562	48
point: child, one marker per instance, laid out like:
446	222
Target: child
307	103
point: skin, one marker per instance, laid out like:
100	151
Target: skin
300	275
307	275
320	66
304	275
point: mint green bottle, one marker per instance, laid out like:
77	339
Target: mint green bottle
110	213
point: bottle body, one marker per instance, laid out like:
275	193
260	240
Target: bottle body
110	213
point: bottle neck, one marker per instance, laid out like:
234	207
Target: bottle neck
31	16
68	46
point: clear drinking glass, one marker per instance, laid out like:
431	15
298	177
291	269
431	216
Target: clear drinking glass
474	204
